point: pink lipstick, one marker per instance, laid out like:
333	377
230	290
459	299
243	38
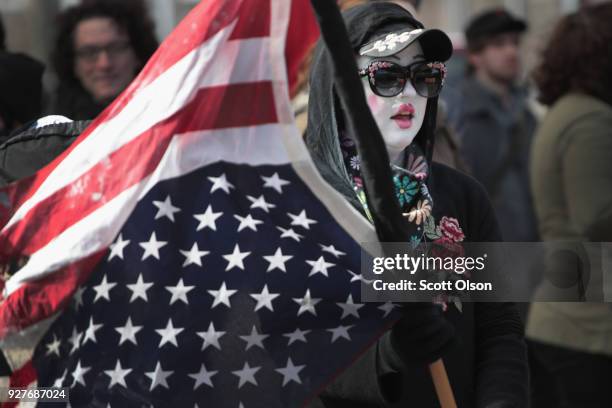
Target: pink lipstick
403	116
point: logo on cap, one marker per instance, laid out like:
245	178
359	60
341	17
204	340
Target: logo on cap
391	41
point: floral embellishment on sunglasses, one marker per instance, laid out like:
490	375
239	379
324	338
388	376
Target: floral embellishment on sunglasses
441	66
388	79
372	68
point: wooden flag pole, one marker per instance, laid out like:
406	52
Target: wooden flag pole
446	398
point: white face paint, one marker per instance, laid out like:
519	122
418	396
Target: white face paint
400	117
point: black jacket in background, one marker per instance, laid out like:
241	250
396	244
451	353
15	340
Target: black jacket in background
21	91
26	152
74	102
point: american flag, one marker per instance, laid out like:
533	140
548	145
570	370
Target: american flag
185	250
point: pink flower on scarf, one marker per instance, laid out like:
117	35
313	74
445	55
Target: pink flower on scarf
450	229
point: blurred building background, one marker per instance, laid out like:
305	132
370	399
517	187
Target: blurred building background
30	23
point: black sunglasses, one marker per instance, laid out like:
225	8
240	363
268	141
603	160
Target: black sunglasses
388	79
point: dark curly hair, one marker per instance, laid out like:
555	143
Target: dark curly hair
578	56
130	15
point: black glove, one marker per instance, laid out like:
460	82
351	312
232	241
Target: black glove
422	335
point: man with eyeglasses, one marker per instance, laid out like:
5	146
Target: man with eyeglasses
101	47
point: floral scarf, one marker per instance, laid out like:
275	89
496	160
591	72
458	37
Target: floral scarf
414	199
410	184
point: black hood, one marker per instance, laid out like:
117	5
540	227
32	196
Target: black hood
363	23
20	88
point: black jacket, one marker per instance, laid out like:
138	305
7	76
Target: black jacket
28	151
74	102
486	362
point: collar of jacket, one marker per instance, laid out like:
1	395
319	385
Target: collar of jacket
484	100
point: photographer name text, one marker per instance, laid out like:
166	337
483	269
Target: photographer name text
424	285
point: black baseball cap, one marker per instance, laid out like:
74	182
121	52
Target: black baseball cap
493	22
435	43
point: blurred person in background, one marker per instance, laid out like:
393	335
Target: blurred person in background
21	91
495	126
100	47
571	179
2	35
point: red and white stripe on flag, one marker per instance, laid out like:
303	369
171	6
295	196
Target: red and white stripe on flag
216	89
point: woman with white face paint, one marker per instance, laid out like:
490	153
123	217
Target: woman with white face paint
402	71
399	117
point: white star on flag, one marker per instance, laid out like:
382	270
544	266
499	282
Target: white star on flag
139	289
264	299
340	332
103	289
290	233
246	375
332	250
247	222
211	337
207	219
179	292
75	339
128	332
307	303
260	202
275	182
116	248
301	220
158	377
117	376
277	260
387	308
59	382
194	255
203	377
53	347
235	259
168	334
165	209
254	339
90	333
358	277
297	335
291	372
222	295
349	308
78	374
152	247
319	266
220	183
